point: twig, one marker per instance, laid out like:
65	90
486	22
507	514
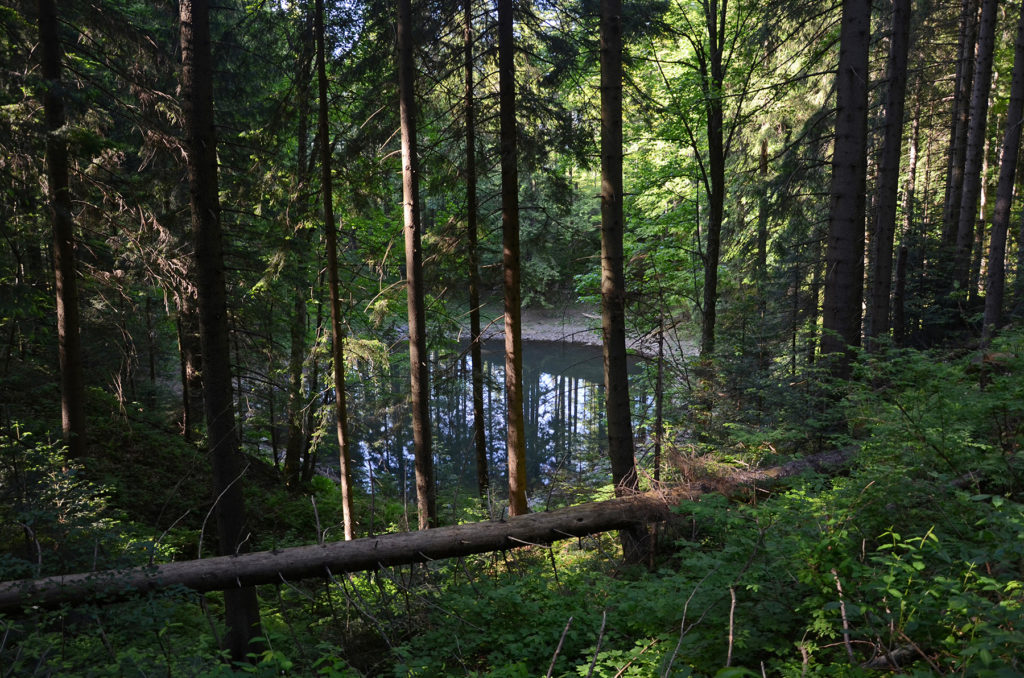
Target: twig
630	662
164	534
682	624
558	649
554	568
600	637
202	529
316	517
344	589
39	548
732	613
842	613
928	659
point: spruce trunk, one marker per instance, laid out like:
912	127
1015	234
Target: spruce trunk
479	430
996	278
975	146
516	441
419	369
887	183
613	283
72	383
330	230
241	606
844	258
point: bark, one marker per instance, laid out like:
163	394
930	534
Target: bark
516	441
298	439
337	335
761	265
887	183
844	258
370	553
1018	285
241	605
712	81
975	145
899	298
479	430
996	278
978	240
961	117
613	283
659	400
419	369
69	346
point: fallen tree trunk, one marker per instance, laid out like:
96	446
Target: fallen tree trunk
322	560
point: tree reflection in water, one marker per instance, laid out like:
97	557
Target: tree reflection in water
566	445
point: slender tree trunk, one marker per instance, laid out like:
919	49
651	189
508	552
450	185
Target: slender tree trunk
899	298
996	278
975	144
313	410
713	78
241	606
659	400
910	188
887	183
978	239
337	334
1018	285
479	432
516	442
297	432
761	265
419	369
613	282
961	118
844	258
186	398
72	383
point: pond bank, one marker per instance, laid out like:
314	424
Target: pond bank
572	324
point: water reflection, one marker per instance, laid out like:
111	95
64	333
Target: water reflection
563	411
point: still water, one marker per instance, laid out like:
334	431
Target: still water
563	409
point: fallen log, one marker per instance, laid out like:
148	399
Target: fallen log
323	560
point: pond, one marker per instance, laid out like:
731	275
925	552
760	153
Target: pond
563	410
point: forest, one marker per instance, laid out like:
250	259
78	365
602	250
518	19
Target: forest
511	338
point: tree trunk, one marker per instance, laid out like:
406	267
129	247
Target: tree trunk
978	239
975	145
712	81
337	334
613	283
516	442
961	118
996	277
371	553
297	433
479	432
241	605
419	369
761	265
72	383
844	258
887	183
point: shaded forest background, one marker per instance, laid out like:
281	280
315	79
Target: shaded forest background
819	196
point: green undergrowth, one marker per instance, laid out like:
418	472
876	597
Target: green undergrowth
913	557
